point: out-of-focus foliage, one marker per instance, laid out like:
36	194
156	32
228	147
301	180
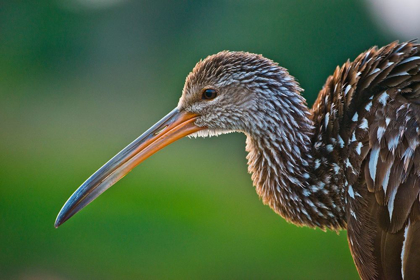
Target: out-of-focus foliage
80	79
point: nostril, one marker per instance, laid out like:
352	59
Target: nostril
160	130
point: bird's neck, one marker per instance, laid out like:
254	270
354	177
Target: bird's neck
288	172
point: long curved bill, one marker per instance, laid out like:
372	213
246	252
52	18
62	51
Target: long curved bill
172	127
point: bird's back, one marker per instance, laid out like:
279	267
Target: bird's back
369	112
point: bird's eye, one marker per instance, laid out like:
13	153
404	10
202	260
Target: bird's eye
209	94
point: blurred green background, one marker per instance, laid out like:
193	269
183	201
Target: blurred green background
80	79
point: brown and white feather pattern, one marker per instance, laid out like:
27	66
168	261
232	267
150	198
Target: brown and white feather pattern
260	98
352	161
369	111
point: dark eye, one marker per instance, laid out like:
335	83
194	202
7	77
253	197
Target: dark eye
209	94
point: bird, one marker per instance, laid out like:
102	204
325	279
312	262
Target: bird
351	162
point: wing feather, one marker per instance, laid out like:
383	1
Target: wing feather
380	123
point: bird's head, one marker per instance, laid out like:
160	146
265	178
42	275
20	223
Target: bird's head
229	89
226	92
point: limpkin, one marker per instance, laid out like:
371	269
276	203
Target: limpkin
351	162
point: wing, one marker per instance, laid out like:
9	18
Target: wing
378	109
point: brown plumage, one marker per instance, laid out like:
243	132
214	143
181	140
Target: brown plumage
351	162
376	103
